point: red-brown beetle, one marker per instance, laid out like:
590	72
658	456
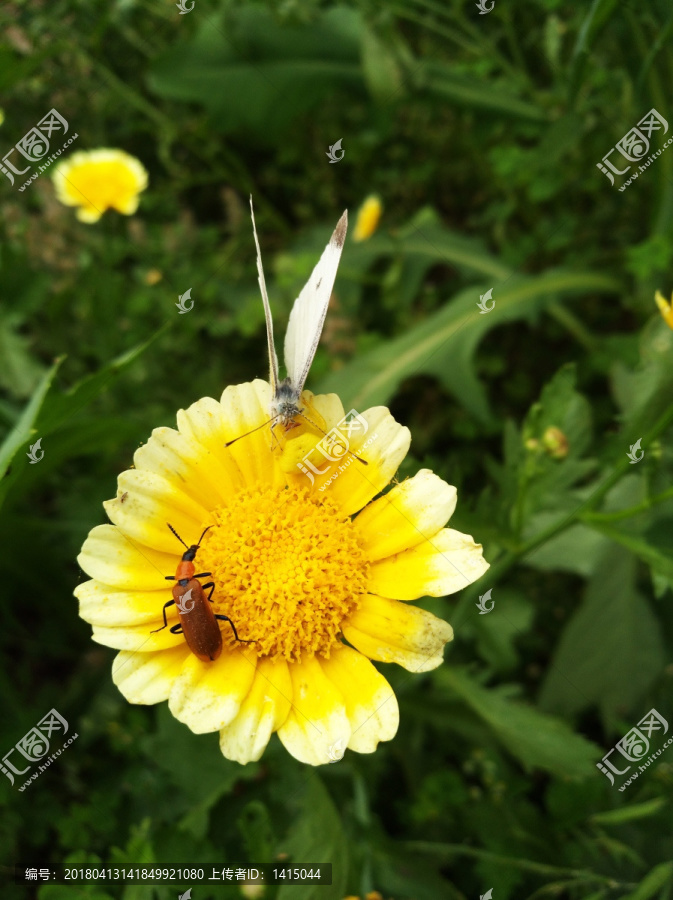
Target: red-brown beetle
197	622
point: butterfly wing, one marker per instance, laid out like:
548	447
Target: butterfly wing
273	359
310	308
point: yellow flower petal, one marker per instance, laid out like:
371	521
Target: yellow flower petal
98	180
444	564
208	696
99	604
203	475
148	677
409	513
152	502
317	718
367	219
246	406
665	308
371	705
139	637
263	711
120	562
356	484
394	632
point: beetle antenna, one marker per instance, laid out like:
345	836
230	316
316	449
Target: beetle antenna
201	538
177	535
363	461
229	443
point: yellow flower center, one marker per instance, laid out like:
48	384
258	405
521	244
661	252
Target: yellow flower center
288	570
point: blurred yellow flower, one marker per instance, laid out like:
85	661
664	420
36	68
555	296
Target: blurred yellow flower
665	308
367	218
294	568
152	277
97	180
2	116
372	895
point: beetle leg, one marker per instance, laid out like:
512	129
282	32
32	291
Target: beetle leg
165	625
202	575
227	619
176	629
169	577
211	585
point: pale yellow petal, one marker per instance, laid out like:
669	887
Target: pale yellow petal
148	677
383	445
151	503
140	637
394	632
371	705
208	696
444	564
204	424
100	604
116	560
406	515
201	472
263	711
317	719
246	406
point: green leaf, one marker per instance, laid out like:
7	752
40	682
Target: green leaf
536	739
440	79
611	650
19	371
25	427
659	877
595	19
381	72
317	836
255	75
629	813
444	344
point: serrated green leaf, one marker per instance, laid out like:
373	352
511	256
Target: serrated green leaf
255	75
444	344
317	836
536	739
611	650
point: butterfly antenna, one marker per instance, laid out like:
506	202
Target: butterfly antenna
252	431
315	425
177	535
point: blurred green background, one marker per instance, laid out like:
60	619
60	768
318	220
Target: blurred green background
481	134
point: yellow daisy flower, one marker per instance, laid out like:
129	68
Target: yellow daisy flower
367	218
296	568
97	180
665	308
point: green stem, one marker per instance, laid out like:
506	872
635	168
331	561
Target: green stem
527	865
573	325
589	517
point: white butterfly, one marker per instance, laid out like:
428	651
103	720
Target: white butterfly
304	327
